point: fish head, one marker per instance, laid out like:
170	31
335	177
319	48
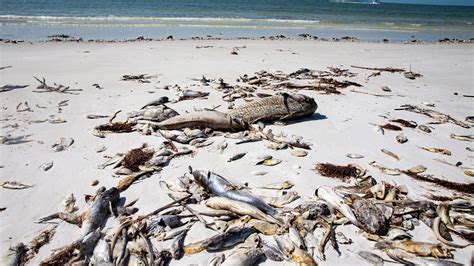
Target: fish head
300	105
201	177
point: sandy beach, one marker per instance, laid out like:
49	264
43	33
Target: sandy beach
343	123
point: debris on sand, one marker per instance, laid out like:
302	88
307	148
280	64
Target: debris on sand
410	124
43	87
14	185
340	171
140	78
136	157
460	187
391	127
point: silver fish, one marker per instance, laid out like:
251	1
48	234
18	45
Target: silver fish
243	257
240	208
336	201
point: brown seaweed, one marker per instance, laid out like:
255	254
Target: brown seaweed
337	171
391	127
460	187
136	157
404	123
120	127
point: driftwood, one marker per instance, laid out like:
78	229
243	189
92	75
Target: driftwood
438	116
5	67
12	87
382	69
141	78
43	87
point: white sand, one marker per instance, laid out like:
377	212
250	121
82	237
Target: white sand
446	69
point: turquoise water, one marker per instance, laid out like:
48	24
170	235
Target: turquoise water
122	19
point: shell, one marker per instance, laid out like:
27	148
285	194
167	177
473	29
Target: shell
95	182
46	166
299	153
259	159
401	138
354	156
271	162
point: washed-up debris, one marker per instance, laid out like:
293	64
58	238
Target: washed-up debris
101	149
299	153
437	150
96	116
62	145
203	119
43	87
5	67
391	154
410	124
236	156
69	204
340	171
136	157
385	88
190	94
27	107
424	128
140	78
278	186
460	187
15	185
412	75
9	87
391	127
383	169
417	169
438	116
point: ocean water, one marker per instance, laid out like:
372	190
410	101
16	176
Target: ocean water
34	20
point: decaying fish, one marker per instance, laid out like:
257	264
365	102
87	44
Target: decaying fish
371	257
281	200
14	185
155	113
370	216
94	216
263	227
190	94
228	239
383	169
417	169
243	257
336	201
219	186
278	107
422	249
462	137
437	150
391	154
354	156
240	208
203	119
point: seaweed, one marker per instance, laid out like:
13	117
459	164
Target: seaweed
337	171
391	127
460	187
404	123
136	157
121	127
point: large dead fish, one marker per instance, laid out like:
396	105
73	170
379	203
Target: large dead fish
240	208
203	119
220	186
94	216
278	107
225	240
336	201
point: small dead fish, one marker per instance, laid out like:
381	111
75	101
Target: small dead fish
46	166
424	128
243	257
469	171
401	138
391	154
221	146
299	153
437	150
277	146
14	185
462	137
281	200
96	116
284	244
383	169
263	227
218	242
371	257
100	149
62	145
237	156
278	186
217	260
261	158
172	233
336	201
423	249
354	156
417	169
271	162
295	237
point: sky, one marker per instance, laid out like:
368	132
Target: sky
433	2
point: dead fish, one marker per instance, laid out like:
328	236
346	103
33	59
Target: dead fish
278	186
285	245
263	227
391	154
272	253
423	249
236	156
371	257
383	169
260	159
295	237
336	201
354	156
299	153
301	257
221	146
46	166
190	94
96	116
469	171
172	233
462	137
14	185
217	260
62	145
277	146
424	128
101	149
102	254
94	216
203	119
13	255
417	169
370	217
437	150
225	240
219	186
401	138
240	208
271	162
243	257
177	246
